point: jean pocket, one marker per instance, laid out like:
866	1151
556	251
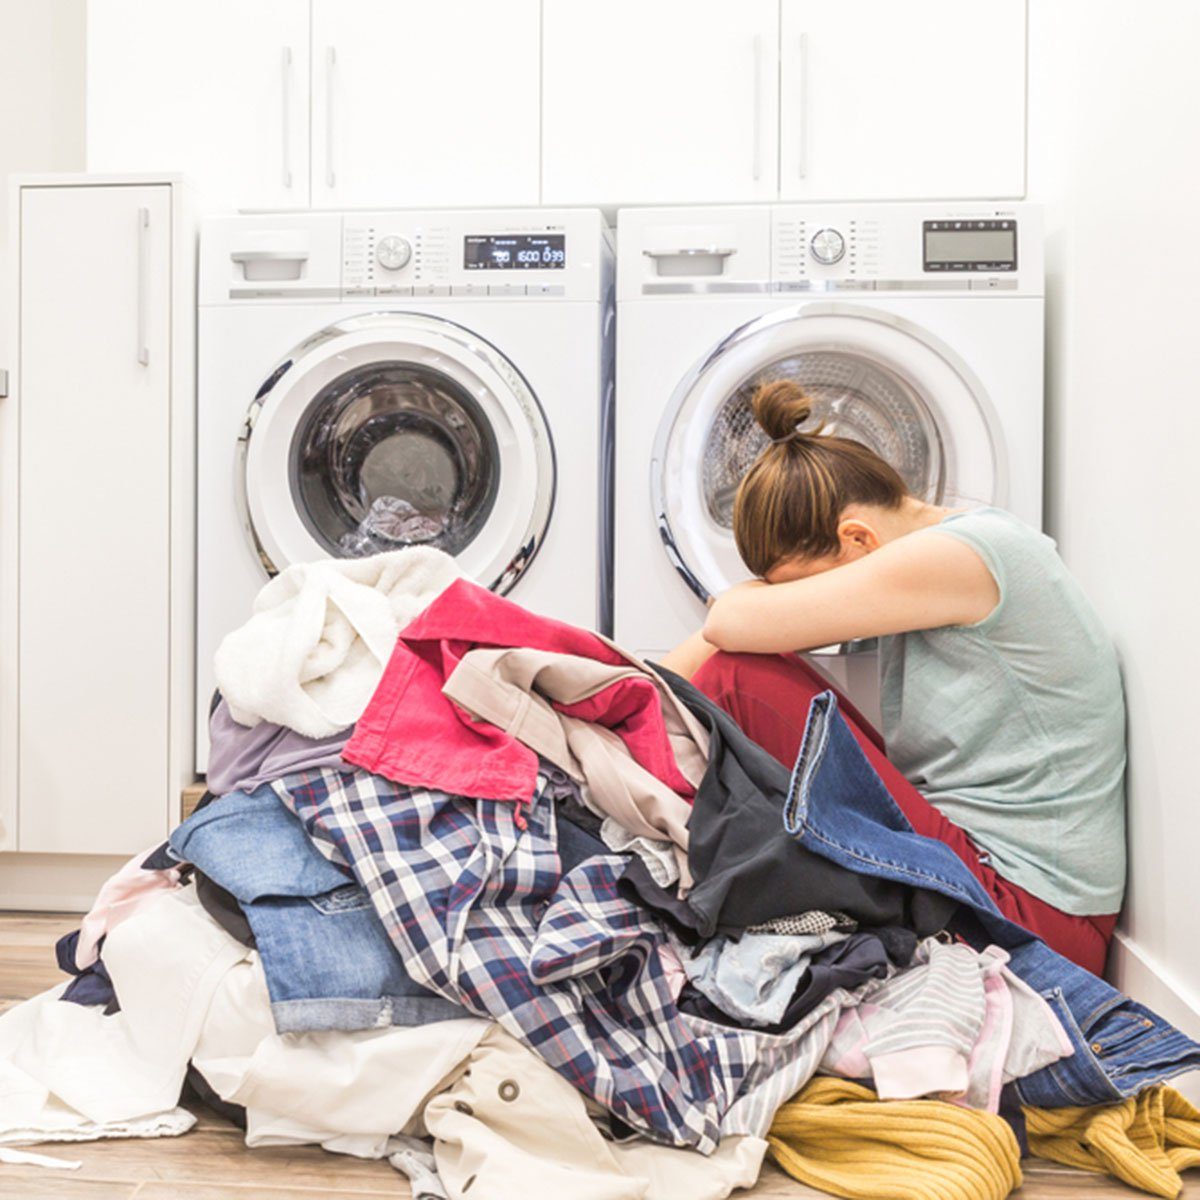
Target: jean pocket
1080	1079
350	898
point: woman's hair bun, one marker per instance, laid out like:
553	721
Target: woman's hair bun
779	407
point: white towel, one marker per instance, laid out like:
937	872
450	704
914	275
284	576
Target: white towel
315	649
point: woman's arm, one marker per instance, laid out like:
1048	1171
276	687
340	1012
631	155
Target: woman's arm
689	656
916	582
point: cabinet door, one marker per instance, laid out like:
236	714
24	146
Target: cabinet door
902	99
659	101
425	102
94	474
217	90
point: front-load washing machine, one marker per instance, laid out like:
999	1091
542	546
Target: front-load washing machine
369	381
917	329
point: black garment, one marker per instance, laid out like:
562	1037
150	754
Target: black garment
638	885
223	907
747	867
195	1083
92	986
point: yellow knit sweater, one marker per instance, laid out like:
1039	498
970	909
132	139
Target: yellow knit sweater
835	1135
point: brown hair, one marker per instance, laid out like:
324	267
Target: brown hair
792	498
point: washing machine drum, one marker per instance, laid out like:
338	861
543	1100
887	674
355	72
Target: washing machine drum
873	377
396	430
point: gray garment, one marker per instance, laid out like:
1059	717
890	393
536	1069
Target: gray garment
753	979
658	855
413	1156
1014	727
243	758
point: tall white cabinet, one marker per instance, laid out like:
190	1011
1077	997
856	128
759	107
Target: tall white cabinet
96	516
218	89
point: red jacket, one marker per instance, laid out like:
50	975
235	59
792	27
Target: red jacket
412	733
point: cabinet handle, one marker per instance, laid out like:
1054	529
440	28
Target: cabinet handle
143	347
330	61
758	82
802	149
286	119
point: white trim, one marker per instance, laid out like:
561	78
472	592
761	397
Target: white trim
1137	973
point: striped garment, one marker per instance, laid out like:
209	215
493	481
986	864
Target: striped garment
957	1023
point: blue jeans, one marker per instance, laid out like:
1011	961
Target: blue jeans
838	807
328	960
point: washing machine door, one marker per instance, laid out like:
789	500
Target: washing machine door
873	376
398	429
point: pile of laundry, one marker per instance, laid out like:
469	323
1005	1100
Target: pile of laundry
478	892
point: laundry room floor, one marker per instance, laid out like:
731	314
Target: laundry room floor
212	1162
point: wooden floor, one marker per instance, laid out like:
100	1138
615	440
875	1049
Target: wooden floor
212	1163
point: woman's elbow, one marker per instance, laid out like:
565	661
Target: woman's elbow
717	628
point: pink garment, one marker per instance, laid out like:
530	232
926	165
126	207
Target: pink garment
117	900
412	733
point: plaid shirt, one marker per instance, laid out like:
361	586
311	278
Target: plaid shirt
483	916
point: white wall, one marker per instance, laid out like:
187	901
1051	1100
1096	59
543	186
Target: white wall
41	98
1114	153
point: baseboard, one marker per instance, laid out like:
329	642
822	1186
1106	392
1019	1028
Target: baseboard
1140	975
54	882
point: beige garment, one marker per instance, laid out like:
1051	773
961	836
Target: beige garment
510	1126
513	690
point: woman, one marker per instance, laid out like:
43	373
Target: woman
1003	716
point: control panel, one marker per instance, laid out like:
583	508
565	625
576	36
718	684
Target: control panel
543	254
836	248
512	255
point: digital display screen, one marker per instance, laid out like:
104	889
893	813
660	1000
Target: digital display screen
970	245
515	252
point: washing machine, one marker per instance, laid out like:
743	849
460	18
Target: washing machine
372	380
916	327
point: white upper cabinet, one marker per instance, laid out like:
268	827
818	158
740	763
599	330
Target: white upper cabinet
217	90
902	99
425	102
659	101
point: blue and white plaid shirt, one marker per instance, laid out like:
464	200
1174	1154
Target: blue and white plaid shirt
483	916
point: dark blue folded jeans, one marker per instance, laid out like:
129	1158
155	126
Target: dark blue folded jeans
838	807
329	962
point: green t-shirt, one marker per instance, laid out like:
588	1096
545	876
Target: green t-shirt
1014	727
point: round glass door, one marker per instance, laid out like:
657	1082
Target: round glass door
873	377
399	430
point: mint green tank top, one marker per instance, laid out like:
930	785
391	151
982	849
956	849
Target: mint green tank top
1014	727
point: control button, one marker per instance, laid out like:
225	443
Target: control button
993	285
506	289
468	289
360	291
827	246
546	289
431	289
393	252
394	289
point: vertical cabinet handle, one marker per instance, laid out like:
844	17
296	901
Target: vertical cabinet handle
143	284
802	148
330	62
286	116
758	114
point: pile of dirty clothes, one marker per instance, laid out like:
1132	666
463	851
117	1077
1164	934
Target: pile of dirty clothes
480	893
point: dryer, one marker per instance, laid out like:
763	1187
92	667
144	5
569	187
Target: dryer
918	329
372	380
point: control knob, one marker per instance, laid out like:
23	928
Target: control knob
827	246
392	252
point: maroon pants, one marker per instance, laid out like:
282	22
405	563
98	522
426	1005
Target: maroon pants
769	695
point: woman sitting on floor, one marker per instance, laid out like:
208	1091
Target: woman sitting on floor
1003	715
